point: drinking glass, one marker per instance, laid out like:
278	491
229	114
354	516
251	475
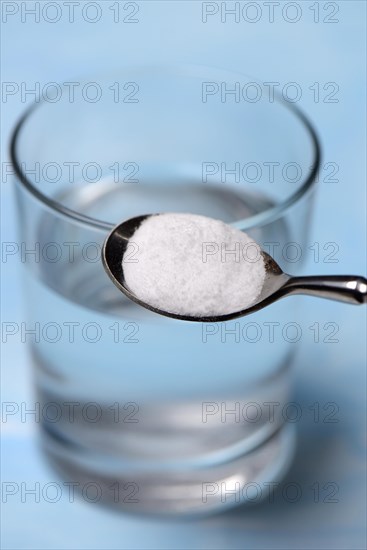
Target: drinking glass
145	413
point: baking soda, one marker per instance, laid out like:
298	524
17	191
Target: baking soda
193	265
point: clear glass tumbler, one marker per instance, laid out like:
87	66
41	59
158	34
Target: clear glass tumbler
152	414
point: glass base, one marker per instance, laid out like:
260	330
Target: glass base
246	479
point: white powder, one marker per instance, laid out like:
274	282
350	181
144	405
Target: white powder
193	265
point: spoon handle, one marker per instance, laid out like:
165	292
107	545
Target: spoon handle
344	288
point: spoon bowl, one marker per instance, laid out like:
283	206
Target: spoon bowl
277	284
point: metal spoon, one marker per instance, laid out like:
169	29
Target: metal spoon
344	288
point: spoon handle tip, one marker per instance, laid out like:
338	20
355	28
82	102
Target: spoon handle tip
351	289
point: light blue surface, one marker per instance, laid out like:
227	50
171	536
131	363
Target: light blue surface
304	52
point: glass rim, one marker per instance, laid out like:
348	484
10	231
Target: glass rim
262	218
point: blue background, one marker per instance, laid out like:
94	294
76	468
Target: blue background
304	52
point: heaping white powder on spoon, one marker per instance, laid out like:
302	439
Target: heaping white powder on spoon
193	265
